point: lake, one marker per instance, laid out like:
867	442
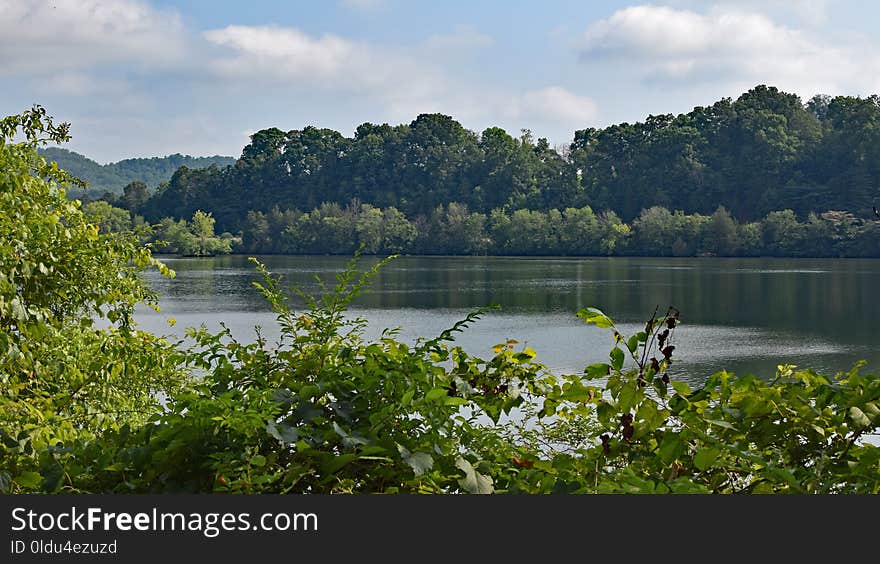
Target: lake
743	315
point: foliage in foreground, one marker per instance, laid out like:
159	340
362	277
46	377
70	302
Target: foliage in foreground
800	432
72	364
324	411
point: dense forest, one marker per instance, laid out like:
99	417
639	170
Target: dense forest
763	175
113	177
765	151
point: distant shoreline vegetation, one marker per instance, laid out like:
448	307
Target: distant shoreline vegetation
453	230
763	175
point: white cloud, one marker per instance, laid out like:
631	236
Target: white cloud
556	104
42	37
297	61
70	84
813	12
282	52
75	84
659	31
397	85
103	65
727	45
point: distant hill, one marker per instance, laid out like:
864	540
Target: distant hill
114	176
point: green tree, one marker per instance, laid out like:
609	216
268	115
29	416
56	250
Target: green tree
614	233
750	239
721	236
192	238
579	232
256	236
782	233
107	217
455	230
65	375
134	195
398	233
368	226
654	231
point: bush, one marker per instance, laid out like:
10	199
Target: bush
62	378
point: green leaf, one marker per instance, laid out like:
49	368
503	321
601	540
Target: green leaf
721	423
606	413
335	463
577	392
18	311
548	408
593	316
258	460
660	386
522	357
436	394
29	480
526	355
652	417
616	358
473	482
680	387
705	457
597	370
352	441
684	485
339	430
283	432
859	418
629	396
420	462
670	447
348	440
455	401
633	343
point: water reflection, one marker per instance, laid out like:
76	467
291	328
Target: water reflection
746	315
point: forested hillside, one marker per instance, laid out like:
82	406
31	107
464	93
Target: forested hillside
765	151
113	177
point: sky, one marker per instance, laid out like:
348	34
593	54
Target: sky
138	78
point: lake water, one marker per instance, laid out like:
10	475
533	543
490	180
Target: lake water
743	315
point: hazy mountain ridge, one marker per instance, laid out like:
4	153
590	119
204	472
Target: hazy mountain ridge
112	177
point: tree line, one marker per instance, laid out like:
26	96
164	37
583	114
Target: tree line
455	230
765	151
765	174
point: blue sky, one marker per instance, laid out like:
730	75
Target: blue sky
147	78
